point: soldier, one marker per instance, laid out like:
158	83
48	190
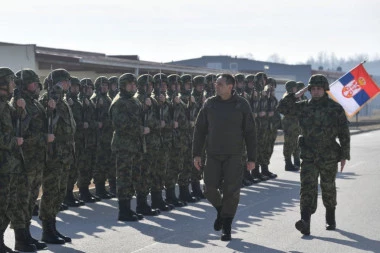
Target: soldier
35	140
87	159
113	90
60	154
126	117
12	163
145	177
196	175
224	151
186	139
162	106
291	130
322	121
209	90
104	165
72	98
240	85
175	157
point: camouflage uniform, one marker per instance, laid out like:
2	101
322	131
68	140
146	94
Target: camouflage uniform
291	130
126	117
113	87
104	166
322	121
87	158
59	157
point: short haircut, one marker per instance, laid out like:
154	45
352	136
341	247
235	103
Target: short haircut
229	79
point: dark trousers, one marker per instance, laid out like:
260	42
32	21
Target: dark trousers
223	170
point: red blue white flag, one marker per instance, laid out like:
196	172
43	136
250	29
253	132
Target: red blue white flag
354	90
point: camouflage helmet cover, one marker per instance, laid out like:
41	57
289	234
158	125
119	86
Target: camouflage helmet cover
126	78
260	80
99	81
144	79
160	77
5	76
319	80
272	82
210	78
198	80
186	78
75	81
250	78
58	75
289	85
87	82
300	85
240	78
113	79
27	76
173	79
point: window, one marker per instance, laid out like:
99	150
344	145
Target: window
233	66
214	65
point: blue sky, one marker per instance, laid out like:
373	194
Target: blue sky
166	30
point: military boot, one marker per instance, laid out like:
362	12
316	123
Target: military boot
22	242
70	200
143	207
297	162
289	165
261	174
196	190
248	175
330	219
256	173
226	230
86	196
112	186
218	223
266	172
3	247
48	233
185	196
246	179
159	203
172	199
63	207
100	191
125	212
39	245
36	209
65	238
303	225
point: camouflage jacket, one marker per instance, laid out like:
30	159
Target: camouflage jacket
126	117
164	113
274	116
77	109
89	116
102	104
322	122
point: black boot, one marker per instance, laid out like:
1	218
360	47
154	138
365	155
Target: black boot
246	179
185	196
70	200
125	212
159	203
143	207
330	219
303	225
261	174
297	163
65	238
248	175
289	165
39	245
172	199
112	185
256	174
265	171
86	196
63	207
226	231
218	223
196	190
36	209
100	191
48	233
22	242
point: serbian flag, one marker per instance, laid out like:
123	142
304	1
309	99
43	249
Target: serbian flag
354	90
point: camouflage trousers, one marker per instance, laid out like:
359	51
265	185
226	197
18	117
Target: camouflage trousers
5	182
226	169
262	140
184	176
86	165
159	169
310	171
175	166
54	185
127	163
291	131
74	168
267	150
142	175
104	166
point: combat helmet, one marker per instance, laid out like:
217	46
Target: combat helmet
319	80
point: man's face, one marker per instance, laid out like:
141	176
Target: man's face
250	85
199	87
32	87
131	87
89	91
150	87
240	85
104	88
114	86
163	87
188	86
74	89
294	89
317	92
221	88
65	85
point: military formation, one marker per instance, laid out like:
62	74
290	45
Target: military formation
131	133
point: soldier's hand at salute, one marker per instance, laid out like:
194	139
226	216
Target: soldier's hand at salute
342	164
301	92
21	103
197	162
250	166
19	141
146	130
192	99
51	104
176	100
162	98
50	138
148	102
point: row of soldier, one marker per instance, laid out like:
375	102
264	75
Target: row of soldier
74	122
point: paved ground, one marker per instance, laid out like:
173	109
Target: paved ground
264	221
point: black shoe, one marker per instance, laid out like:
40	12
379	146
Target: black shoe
159	203
172	199
143	207
185	196
48	233
86	196
297	163
39	245
289	165
125	212
36	209
218	223
65	238
100	191
22	242
63	207
226	230
266	172
330	219
303	226
196	190
70	200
